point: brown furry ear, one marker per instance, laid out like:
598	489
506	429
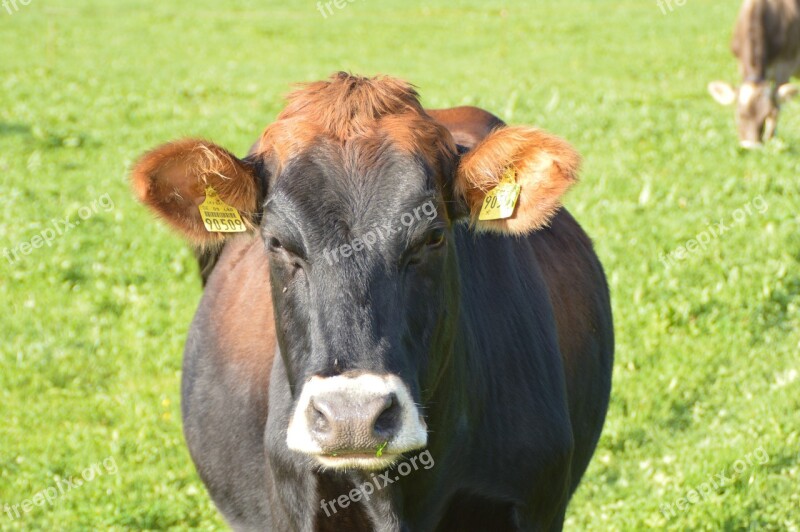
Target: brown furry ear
172	179
545	167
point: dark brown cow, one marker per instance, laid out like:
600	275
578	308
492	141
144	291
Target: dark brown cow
766	41
371	355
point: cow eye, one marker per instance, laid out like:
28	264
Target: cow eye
285	252
435	238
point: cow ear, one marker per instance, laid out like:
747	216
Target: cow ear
786	92
172	180
543	165
722	92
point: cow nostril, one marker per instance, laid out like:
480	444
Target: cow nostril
388	420
319	417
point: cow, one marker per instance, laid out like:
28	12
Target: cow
766	42
371	352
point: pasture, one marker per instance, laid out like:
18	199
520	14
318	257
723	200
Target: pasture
707	371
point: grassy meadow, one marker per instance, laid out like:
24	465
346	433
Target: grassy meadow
707	373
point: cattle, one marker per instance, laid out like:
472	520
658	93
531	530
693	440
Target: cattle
766	42
371	352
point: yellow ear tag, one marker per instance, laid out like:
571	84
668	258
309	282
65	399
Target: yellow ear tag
218	216
500	202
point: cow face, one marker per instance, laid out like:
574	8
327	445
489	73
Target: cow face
355	204
358	241
757	108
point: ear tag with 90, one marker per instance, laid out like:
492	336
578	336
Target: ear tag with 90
500	202
218	216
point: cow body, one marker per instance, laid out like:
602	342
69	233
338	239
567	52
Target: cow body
766	40
766	43
519	408
500	340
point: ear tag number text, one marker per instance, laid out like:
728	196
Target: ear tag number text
500	202
218	216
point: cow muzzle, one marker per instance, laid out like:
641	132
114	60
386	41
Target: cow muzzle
356	422
750	144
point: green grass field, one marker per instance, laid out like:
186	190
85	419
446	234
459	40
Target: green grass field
707	373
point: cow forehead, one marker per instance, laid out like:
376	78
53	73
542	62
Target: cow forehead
751	91
360	177
413	134
319	196
364	119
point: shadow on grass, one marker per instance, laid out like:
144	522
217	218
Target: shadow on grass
14	129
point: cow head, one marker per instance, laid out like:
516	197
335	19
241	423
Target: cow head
355	192
757	107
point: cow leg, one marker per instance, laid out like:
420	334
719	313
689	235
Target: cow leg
526	522
547	504
782	74
467	512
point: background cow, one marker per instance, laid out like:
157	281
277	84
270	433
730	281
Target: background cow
766	41
487	343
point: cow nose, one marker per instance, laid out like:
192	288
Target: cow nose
358	420
750	144
353	424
